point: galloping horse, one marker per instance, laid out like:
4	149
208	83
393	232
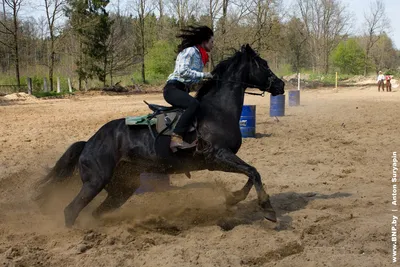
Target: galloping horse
116	148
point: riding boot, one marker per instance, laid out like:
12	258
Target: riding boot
177	142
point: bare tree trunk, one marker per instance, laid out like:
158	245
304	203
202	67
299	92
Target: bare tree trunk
161	18
258	24
366	57
51	15
376	22
223	19
184	10
105	71
326	23
142	16
80	60
326	61
16	46
4	11
223	26
15	6
111	69
51	67
214	8
143	52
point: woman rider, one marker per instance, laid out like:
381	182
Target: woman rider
191	59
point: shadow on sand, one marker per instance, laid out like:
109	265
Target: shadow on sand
283	203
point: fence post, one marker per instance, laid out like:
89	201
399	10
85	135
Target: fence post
58	85
298	81
336	82
29	83
69	85
45	89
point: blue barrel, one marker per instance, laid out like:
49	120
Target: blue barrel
277	106
294	98
247	121
153	182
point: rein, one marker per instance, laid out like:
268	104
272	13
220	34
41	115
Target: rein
258	94
247	84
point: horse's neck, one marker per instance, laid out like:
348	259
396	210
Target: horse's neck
228	96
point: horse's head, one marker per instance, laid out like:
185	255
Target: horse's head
260	75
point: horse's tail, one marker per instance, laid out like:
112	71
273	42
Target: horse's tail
64	167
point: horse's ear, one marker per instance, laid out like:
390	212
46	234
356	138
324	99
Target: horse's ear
243	49
249	51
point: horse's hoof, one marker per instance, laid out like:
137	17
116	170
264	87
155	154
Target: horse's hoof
69	225
270	216
232	198
96	215
69	222
269	212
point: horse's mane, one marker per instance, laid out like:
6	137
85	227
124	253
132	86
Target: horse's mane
218	71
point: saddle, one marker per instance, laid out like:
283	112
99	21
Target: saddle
167	118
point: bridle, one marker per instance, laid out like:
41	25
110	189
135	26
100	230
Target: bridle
270	79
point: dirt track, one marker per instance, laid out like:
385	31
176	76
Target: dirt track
326	164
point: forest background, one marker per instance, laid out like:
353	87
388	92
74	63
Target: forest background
99	43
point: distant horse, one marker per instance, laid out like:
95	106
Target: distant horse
388	83
113	158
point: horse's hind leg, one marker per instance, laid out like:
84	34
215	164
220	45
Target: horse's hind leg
120	189
94	179
241	194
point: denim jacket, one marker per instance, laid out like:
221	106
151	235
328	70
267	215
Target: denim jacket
188	67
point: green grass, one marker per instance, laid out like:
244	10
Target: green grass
284	70
152	79
322	79
50	94
328	79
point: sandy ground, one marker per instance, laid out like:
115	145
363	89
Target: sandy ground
326	165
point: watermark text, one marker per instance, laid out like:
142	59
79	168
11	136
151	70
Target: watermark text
395	218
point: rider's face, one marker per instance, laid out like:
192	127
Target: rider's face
208	45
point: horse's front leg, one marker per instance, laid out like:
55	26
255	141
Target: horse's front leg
227	161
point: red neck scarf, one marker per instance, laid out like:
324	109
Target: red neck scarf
203	53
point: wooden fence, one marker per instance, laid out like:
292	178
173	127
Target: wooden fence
28	87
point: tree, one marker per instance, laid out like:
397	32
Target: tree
121	53
296	44
92	24
4	10
213	8
375	25
13	30
184	9
327	24
97	40
4	48
143	9
231	29
76	12
161	19
225	5
160	60
53	14
349	57
383	54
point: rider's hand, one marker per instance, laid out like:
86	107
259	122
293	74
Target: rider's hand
208	75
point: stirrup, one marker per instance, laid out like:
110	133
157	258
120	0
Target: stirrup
183	145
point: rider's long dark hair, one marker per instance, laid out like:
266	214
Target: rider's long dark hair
192	36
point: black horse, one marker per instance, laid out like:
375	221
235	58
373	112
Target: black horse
113	158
